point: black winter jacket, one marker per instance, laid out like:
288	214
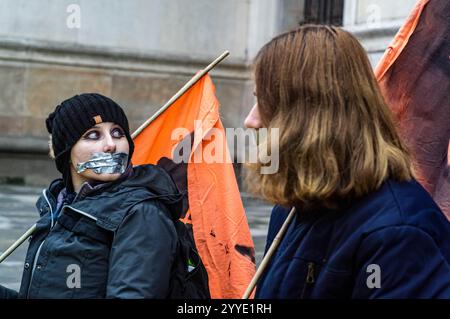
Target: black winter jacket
118	241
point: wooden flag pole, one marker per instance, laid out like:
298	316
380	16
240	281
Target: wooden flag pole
172	100
183	90
269	254
18	242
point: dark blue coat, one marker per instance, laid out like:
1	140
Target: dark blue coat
393	243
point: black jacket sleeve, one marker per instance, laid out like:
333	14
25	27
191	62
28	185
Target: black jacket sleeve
6	293
142	254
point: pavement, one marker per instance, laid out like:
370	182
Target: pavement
18	213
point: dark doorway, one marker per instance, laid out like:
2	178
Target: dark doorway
324	12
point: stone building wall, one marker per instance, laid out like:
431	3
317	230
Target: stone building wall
140	52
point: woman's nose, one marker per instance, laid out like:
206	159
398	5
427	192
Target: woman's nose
110	146
253	120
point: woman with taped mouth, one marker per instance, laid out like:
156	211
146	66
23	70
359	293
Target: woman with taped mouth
106	228
363	227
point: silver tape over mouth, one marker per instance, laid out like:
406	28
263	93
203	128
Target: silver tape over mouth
105	163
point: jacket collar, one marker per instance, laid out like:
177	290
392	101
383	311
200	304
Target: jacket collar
107	203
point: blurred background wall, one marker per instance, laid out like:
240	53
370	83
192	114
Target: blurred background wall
140	52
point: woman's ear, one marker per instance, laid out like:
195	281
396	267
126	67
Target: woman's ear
51	153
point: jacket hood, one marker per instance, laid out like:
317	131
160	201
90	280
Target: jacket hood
108	203
159	184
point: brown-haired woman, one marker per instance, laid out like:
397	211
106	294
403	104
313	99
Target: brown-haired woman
364	228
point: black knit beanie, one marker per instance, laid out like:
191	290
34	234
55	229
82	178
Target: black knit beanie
74	116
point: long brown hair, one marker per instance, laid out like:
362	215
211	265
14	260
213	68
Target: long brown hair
337	136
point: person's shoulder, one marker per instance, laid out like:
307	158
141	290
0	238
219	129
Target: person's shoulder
405	205
277	218
150	172
151	209
279	213
414	204
47	198
150	216
399	216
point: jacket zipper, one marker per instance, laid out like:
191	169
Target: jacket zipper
36	257
310	278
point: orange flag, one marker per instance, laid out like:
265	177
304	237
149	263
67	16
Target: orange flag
414	76
189	141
